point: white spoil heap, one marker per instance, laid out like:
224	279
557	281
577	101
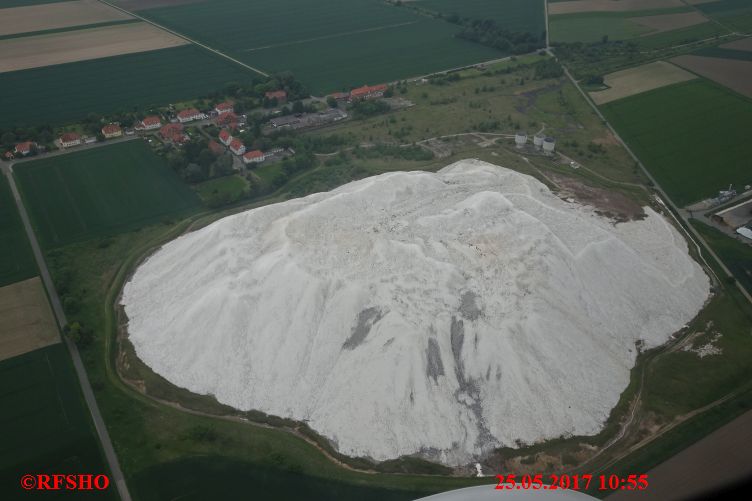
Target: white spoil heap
443	314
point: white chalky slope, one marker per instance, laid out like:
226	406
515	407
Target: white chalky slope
443	314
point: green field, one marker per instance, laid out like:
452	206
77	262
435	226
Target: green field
405	51
101	191
327	45
222	190
46	426
735	255
68	92
513	15
17	261
735	14
693	137
593	26
740	55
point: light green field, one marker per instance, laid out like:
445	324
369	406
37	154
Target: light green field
101	191
692	136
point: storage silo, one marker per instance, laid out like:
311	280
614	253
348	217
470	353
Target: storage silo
549	145
520	139
538	141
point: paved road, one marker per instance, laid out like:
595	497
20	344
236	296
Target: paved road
720	459
104	437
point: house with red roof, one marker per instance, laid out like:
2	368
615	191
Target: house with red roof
69	139
340	96
368	92
227	119
24	148
189	115
216	148
279	95
225	107
255	156
237	147
225	137
149	123
174	133
112	130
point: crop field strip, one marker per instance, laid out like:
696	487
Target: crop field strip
692	136
578	6
736	73
322	41
640	79
26	319
57	15
100	192
113	84
46	427
617	25
513	15
16	260
81	45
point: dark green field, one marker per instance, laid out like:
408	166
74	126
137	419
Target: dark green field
68	92
513	15
17	261
734	254
405	51
327	45
101	191
735	14
693	137
739	55
46	426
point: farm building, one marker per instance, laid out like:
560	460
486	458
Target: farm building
237	146
69	139
368	92
253	157
189	115
174	133
226	107
216	148
149	123
25	148
225	137
112	130
279	95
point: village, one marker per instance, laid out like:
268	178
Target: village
221	125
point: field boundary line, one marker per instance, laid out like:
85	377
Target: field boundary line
327	37
57	308
184	37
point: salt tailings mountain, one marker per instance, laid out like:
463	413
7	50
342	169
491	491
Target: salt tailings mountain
442	314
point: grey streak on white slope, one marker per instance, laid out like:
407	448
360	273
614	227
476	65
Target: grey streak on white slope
440	314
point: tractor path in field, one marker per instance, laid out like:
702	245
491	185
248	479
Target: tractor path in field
104	437
191	40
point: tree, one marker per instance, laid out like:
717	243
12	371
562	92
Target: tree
205	158
297	107
331	102
82	336
8	138
223	165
